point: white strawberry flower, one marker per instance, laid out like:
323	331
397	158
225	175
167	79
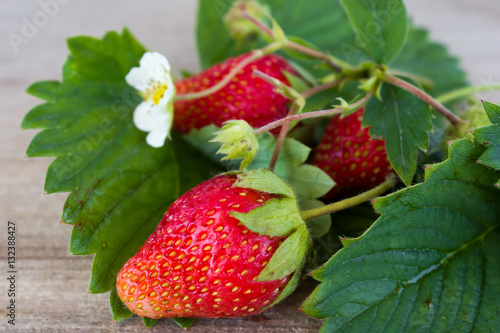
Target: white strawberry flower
154	82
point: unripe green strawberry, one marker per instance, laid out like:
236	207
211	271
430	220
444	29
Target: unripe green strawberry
201	261
245	97
353	159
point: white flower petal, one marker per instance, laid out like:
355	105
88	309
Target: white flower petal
138	79
155	119
145	116
154	69
153	61
156	139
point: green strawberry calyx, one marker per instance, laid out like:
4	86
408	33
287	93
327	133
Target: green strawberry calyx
238	142
277	217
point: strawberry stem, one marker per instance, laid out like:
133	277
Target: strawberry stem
255	55
422	80
281	138
262	27
298	105
284	130
322	87
330	60
456	121
314	114
281	88
351	202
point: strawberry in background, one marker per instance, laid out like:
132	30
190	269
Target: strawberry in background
245	97
348	154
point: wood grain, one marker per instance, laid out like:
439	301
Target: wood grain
51	286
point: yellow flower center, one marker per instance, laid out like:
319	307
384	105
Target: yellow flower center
156	94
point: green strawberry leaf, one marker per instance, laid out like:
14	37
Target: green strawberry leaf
265	181
290	286
295	280
184	323
149	322
380	25
288	257
278	217
429	263
489	137
120	187
118	309
403	120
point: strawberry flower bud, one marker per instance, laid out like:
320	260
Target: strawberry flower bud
239	25
238	141
154	82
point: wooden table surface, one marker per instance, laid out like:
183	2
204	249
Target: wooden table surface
51	286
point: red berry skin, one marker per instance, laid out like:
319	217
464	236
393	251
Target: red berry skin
245	97
348	154
200	261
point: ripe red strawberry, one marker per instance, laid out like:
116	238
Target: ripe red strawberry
200	261
245	97
350	156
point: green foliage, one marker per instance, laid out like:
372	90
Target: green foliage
325	25
149	322
278	217
380	25
291	285
299	19
265	181
429	263
403	120
118	309
120	187
288	257
184	323
489	136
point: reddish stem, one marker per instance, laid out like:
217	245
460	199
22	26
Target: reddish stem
457	122
281	138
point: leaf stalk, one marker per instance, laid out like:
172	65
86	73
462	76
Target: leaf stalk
255	55
351	202
315	114
455	120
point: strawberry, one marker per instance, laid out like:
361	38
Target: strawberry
201	261
245	97
350	156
